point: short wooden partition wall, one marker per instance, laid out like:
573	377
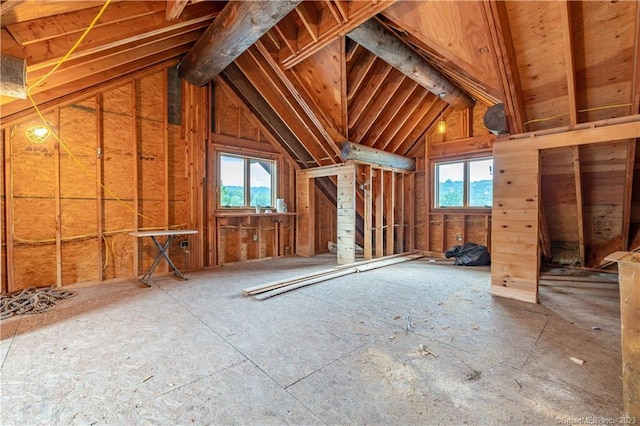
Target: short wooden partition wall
515	231
384	198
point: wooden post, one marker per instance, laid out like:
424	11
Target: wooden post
99	201
136	204
379	205
629	276
389	198
368	213
58	203
346	212
305	241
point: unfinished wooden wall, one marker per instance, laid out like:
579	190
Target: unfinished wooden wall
121	167
326	226
583	193
603	173
437	230
238	236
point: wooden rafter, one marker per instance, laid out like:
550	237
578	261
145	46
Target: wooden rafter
309	19
577	173
47	52
378	105
406	118
567	37
303	104
174	9
377	39
378	78
239	25
405	141
415	123
504	57
358	73
399	99
288	35
353	18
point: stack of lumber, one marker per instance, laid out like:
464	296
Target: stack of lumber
275	288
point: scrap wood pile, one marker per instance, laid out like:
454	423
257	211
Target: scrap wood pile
31	300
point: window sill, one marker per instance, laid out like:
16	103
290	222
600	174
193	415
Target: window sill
250	214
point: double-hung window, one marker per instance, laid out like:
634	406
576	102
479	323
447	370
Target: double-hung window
246	181
462	184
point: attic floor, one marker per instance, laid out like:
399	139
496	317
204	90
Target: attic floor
338	352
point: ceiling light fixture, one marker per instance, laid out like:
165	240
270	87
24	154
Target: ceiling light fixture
38	134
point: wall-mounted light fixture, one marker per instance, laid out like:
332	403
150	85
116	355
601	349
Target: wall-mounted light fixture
442	127
38	134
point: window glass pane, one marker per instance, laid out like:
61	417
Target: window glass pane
260	179
450	184
481	183
232	172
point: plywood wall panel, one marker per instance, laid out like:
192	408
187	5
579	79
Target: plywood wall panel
120	261
34	220
34	265
150	97
79	261
33	167
151	166
248	129
476	230
325	227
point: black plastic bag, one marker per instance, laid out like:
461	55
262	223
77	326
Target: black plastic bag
469	254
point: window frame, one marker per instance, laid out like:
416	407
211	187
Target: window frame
247	157
465	187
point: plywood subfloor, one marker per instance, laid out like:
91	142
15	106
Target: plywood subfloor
197	352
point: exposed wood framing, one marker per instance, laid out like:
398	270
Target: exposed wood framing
239	25
136	180
305	244
346	210
378	199
8	209
567	37
99	194
515	266
352	14
368	213
374	37
174	9
58	204
577	173
503	52
628	193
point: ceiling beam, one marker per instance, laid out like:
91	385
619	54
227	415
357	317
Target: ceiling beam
374	37
239	25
